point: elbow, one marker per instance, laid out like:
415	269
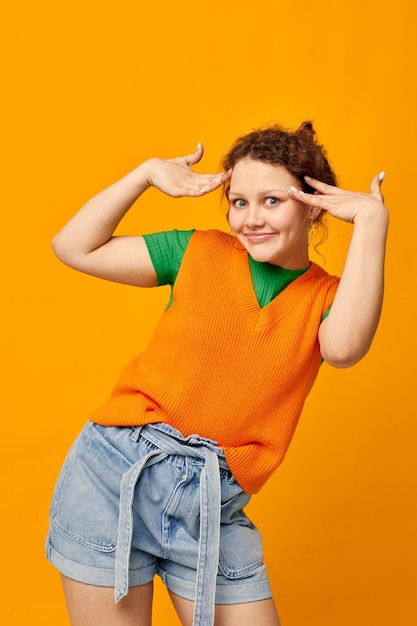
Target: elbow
58	247
55	245
346	348
343	357
64	251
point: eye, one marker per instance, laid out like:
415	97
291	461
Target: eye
239	204
271	201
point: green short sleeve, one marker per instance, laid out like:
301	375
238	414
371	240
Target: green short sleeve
166	250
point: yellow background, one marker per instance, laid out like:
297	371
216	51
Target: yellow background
90	89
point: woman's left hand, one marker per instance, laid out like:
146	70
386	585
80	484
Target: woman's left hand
343	204
347	332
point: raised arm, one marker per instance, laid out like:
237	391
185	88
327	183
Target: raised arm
346	334
86	242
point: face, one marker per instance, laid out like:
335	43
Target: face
267	222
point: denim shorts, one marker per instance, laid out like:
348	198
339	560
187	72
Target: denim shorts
132	502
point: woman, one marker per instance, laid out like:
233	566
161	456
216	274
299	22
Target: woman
159	477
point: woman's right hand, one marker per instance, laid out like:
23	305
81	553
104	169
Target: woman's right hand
176	178
87	242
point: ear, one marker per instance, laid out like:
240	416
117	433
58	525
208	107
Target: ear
314	210
314	213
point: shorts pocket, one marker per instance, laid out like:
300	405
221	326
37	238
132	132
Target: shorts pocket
85	504
240	541
240	549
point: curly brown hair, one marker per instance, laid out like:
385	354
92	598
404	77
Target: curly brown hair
298	151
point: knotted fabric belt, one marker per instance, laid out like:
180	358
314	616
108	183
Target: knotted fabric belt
208	553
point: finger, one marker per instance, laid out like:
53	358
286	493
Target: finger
376	185
316	202
307	198
214	182
320	186
210	181
221	176
195	157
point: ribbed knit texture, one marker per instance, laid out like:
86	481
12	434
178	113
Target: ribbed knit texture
220	366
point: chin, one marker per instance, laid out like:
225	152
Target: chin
262	258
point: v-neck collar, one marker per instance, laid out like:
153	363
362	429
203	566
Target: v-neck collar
261	317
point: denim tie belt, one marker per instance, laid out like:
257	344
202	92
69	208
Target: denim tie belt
208	554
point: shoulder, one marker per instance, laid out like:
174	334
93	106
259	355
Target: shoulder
210	235
209	240
324	283
208	252
317	273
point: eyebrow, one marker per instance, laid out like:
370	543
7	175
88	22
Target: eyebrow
266	192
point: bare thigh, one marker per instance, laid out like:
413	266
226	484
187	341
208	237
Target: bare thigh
262	613
94	606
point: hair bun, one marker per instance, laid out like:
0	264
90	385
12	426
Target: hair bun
306	128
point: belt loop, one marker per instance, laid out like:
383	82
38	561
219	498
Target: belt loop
135	434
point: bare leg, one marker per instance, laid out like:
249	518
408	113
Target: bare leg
94	606
183	607
262	613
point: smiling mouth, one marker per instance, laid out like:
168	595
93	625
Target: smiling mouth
258	237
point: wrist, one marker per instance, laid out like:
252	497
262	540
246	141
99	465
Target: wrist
373	217
147	171
141	177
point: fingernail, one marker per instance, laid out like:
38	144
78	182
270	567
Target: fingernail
293	189
381	176
199	145
307	177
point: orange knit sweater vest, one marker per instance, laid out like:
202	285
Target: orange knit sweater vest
220	366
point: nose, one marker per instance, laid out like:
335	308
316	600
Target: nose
254	216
